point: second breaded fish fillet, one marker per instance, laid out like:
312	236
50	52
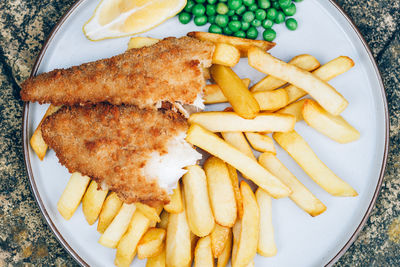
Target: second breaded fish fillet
137	153
170	70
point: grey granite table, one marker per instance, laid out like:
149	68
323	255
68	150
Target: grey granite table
26	240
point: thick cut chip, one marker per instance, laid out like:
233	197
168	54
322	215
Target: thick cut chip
110	208
272	100
152	243
175	205
294	109
92	202
213	93
226	55
202	254
219	239
223	259
261	142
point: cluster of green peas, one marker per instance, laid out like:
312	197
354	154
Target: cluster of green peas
241	18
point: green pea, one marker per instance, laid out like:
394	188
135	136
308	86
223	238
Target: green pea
211	19
291	24
234	4
214	29
260	14
252	33
248	2
245	25
235	26
280	17
200	21
240	34
253	7
200	1
198	10
290	10
190	4
264	4
240	10
212	2
256	23
230	13
210	10
284	3
222	8
272	13
185	17
235	17
276	5
221	20
223	1
269	35
267	23
248	16
227	31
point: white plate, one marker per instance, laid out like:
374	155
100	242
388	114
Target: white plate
325	32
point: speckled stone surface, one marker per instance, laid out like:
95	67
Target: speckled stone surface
26	240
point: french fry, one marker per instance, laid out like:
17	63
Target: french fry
127	246
334	127
157	261
213	93
272	100
326	72
92	202
302	153
219	121
72	195
223	258
266	244
178	242
294	109
199	214
118	226
236	229
305	62
235	184
235	91
250	228
110	208
139	42
211	143
321	91
221	193
193	242
149	212
243	44
37	143
175	205
261	142
164	220
152	243
202	253
219	238
300	194
238	140
226	55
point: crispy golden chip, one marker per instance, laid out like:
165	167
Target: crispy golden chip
220	121
334	127
235	184
223	258
199	214
110	208
221	193
243	44
157	261
266	244
152	243
118	226
92	202
305	62
302	153
321	91
238	140
300	194
219	238
175	205
211	143
261	142
213	93
294	109
164	220
72	195
202	254
271	100
149	212
226	55
235	91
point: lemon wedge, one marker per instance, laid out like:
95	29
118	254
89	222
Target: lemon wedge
118	18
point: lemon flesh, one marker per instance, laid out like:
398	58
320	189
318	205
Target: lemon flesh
118	18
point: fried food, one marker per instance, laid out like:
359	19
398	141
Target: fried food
124	149
170	71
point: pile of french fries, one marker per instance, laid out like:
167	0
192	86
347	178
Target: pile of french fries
214	216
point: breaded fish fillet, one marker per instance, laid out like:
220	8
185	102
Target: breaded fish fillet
170	70
137	153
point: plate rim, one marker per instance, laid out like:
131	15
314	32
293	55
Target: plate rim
81	261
